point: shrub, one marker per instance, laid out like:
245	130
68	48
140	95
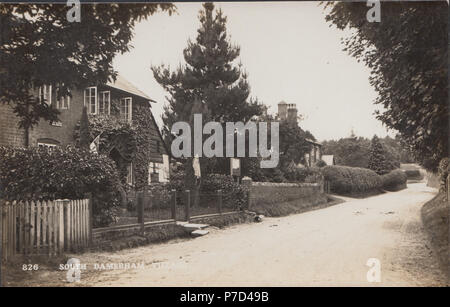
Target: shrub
443	171
304	174
351	180
39	173
394	180
321	163
160	195
234	194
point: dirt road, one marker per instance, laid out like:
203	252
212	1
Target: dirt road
324	247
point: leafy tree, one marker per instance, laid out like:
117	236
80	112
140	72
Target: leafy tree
407	53
39	46
352	151
293	144
210	76
377	158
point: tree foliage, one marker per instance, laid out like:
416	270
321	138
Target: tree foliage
293	144
377	158
407	53
354	151
39	46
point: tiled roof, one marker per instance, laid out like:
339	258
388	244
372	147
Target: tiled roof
313	142
122	84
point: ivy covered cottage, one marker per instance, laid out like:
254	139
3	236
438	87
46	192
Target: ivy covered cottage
121	124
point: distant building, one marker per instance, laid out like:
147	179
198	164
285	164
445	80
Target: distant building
315	153
288	112
328	159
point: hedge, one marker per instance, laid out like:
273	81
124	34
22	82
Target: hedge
351	180
234	194
60	173
304	174
394	180
413	174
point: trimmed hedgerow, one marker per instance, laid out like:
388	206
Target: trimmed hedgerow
352	180
304	174
394	180
61	173
413	174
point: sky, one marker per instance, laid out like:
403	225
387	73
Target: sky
289	52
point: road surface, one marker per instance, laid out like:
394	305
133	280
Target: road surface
324	247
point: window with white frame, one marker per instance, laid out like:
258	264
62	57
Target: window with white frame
154	169
104	106
46	145
125	108
130	174
45	94
90	99
63	103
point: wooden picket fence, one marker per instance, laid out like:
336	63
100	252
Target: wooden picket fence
44	227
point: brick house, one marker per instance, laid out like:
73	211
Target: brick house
97	99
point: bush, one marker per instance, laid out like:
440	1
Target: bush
39	173
321	163
160	195
234	194
304	174
413	174
443	171
351	180
394	180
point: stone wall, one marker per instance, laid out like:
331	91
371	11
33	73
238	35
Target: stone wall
275	193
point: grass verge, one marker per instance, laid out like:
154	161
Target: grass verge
295	206
435	217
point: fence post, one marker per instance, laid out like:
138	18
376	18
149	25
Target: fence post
174	205
140	209
91	217
188	206
247	182
1	236
219	204
60	219
448	187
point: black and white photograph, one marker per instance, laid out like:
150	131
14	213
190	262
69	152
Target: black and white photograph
224	145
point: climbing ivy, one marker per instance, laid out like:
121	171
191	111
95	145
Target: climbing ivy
143	122
124	142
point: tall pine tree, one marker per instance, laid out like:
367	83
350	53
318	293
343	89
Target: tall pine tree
377	158
211	80
210	76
